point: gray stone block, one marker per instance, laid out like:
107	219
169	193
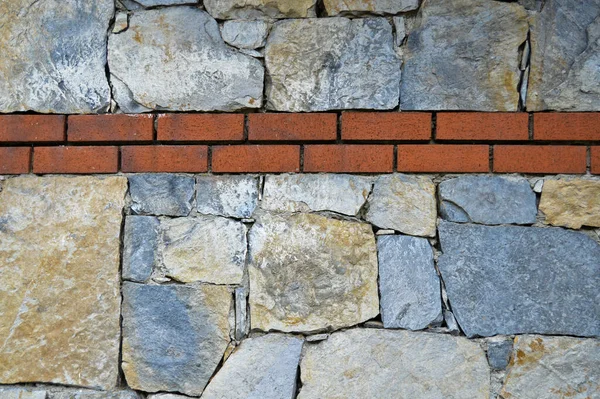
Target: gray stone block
140	247
232	196
245	34
161	194
498	353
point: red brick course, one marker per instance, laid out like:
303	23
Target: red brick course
539	159
449	158
14	160
32	128
82	159
90	128
292	127
255	158
483	126
567	126
380	126
347	158
165	158
200	127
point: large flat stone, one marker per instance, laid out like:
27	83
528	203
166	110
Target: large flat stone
516	280
161	194
337	7
571	203
140	247
252	9
232	196
59	267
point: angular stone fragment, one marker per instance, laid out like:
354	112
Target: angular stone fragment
553	367
498	353
309	272
121	22
488	200
453	61
232	196
400	27
159	63
515	280
59	267
245	34
263	367
241	313
332	63
161	194
53	56
337	7
252	9
367	363
140	247
305	192
404	203
571	203
173	336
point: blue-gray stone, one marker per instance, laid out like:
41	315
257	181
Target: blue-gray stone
140	247
161	194
518	280
232	196
498	353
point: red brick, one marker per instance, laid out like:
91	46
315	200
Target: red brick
110	128
14	160
349	158
596	160
165	158
32	128
539	159
201	127
256	158
292	127
443	158
483	126
567	126
75	159
386	126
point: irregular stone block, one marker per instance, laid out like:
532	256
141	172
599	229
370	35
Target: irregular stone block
331	64
571	203
253	9
161	64
21	393
488	200
516	280
404	203
263	367
167	396
357	7
453	61
366	363
154	3
308	272
173	336
66	393
59	267
498	353
140	247
53	56
161	194
232	196
245	34
241	313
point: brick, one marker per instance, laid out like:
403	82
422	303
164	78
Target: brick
201	127
347	158
80	159
443	158
256	158
110	128
32	128
596	160
539	159
386	126
292	127
165	158
14	160
571	126
482	126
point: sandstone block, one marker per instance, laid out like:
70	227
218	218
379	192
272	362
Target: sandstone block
252	9
571	203
337	7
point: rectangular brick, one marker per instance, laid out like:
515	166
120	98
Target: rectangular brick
292	127
201	127
119	127
165	158
596	160
386	126
84	159
451	158
482	126
539	159
346	158
32	128
255	158
572	126
14	160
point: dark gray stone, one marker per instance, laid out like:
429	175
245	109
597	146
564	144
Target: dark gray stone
140	247
498	353
161	194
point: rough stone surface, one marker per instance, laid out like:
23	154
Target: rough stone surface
167	396
553	368
154	3
161	194
328	192
232	196
332	63
59	267
488	200
159	63
408	284
571	203
53	56
245	34
366	363
87	394
21	393
252	9
263	367
404	203
173	336
515	280
454	61
308	272
498	353
121	22
337	7
400	27
140	247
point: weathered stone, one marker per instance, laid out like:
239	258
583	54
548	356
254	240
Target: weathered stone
515	280
89	394
154	3
161	194
308	272
21	393
400	28
173	336
140	247
357	7
304	193
245	34
59	267
404	203
565	42
488	200
121	22
53	56
453	61
241	313
232	196
332	63
252	9
367	363
571	203
167	396
498	353
159	63
451	323
408	283
263	367
553	367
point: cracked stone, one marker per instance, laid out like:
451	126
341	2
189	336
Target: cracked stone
358	7
571	203
140	247
232	196
245	34
253	9
161	194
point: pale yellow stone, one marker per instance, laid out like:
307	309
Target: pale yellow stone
571	203
251	9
